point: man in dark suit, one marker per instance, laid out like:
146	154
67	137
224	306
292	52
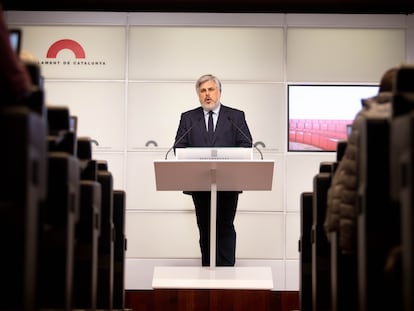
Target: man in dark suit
228	129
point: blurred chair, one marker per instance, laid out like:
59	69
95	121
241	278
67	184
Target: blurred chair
87	229
401	275
23	192
321	276
305	251
23	131
59	215
119	249
377	227
343	266
105	289
86	247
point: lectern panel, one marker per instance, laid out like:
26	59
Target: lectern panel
231	175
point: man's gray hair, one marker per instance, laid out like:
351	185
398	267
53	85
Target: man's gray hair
205	78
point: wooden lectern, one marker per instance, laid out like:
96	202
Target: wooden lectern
214	175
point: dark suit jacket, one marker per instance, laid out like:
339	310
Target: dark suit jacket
226	133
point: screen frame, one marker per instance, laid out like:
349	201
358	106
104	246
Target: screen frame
364	90
15	36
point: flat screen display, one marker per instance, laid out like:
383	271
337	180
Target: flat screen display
15	39
319	115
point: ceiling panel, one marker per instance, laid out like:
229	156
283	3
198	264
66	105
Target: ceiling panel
239	6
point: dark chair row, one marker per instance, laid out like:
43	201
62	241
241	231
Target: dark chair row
62	221
314	248
380	274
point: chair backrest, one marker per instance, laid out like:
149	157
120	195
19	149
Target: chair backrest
305	251
119	249
321	271
106	243
376	230
23	191
402	177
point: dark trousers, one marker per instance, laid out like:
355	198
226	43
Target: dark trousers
225	232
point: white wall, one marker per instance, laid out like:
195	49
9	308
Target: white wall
138	76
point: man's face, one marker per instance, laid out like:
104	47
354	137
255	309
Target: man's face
209	95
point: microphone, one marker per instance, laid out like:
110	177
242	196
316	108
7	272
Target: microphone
182	136
247	137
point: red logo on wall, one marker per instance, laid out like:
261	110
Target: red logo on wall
53	59
64	44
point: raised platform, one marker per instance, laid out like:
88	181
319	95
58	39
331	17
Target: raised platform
211	300
259	278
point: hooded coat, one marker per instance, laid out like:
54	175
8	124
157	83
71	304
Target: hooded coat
341	214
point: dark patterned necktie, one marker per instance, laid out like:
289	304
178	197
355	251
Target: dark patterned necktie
210	129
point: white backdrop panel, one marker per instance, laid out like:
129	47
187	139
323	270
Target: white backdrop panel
300	170
260	235
141	188
184	53
174	234
163	234
116	165
99	106
104	48
266	200
292	235
265	108
347	55
154	111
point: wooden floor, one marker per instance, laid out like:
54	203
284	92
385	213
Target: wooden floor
209	300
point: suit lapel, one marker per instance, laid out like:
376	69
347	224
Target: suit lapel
220	121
